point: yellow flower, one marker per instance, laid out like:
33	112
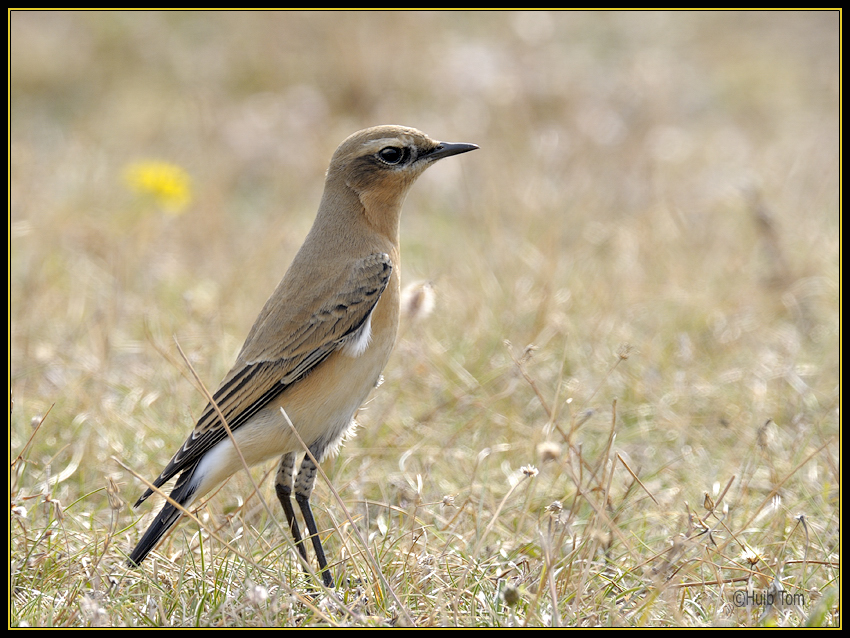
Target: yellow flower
168	185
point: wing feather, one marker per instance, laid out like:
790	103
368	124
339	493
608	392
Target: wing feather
295	332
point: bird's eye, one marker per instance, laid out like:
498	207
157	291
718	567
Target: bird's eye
391	154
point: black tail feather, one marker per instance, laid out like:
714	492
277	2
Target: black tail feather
165	520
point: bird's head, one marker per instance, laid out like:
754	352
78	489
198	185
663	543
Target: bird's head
381	163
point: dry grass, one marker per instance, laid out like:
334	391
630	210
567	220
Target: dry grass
624	410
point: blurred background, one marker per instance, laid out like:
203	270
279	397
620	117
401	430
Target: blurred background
653	218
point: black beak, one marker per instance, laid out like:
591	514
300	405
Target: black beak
447	149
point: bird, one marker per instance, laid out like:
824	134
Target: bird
319	344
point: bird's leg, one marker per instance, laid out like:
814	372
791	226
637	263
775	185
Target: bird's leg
283	488
303	489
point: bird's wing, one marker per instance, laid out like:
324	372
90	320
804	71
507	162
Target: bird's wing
294	333
338	306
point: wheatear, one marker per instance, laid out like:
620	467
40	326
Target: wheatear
319	344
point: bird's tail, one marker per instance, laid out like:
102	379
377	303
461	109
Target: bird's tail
183	493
